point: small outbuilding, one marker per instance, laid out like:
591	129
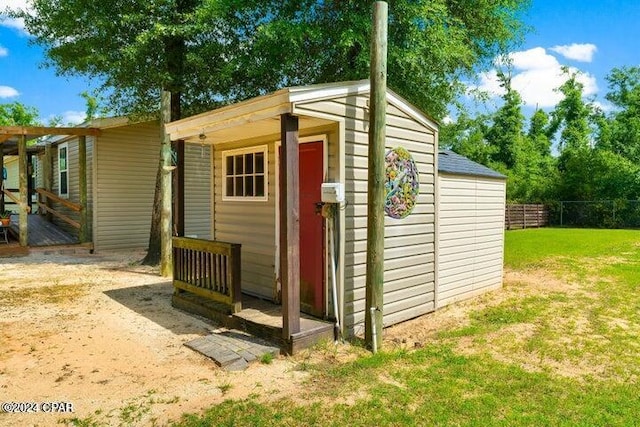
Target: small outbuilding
320	132
289	206
471	203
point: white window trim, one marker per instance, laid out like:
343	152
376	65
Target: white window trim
64	145
254	149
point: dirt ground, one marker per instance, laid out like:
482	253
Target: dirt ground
98	332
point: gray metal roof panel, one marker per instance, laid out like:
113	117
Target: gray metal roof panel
454	163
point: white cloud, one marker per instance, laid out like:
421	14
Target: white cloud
447	120
582	52
73	117
14	5
3	51
604	106
8	92
536	75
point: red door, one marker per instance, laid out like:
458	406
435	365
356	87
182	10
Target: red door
311	229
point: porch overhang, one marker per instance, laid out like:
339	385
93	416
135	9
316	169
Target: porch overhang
246	120
10	136
260	116
13	141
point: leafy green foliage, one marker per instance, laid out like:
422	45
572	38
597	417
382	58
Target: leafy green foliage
17	114
620	132
219	51
598	154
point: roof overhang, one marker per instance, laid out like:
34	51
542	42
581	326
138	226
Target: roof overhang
10	135
249	119
260	116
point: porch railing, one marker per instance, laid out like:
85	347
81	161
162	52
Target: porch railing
13	199
42	193
208	269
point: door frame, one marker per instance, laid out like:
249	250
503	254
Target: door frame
325	169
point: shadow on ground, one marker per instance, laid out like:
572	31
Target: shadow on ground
154	302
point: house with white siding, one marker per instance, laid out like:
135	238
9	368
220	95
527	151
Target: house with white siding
121	166
326	128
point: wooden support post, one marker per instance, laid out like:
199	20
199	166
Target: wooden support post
83	235
22	173
166	267
47	171
375	192
178	188
289	226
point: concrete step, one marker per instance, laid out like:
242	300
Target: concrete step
231	349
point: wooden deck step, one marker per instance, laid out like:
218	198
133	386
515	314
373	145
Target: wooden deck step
260	318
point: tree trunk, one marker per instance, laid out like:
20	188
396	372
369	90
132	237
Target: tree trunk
153	254
174	53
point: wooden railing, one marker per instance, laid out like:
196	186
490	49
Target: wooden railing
64	202
14	200
208	269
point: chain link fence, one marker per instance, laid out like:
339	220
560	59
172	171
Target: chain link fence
596	214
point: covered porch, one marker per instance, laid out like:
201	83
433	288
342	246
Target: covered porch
257	282
33	206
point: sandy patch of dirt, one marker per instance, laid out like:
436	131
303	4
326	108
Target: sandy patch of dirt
98	331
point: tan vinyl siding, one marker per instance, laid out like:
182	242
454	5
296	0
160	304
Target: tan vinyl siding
409	243
127	162
471	243
250	223
197	191
12	182
74	183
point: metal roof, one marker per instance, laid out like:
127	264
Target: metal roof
454	163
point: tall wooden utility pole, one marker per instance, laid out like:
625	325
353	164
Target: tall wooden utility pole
166	265
375	192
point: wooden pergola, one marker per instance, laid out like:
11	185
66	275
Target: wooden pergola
13	140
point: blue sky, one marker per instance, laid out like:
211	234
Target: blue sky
592	36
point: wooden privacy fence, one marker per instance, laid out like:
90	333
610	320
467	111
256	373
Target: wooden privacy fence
526	216
208	269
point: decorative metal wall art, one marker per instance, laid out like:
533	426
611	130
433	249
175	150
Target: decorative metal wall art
402	184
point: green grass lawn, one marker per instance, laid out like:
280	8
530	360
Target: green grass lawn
558	346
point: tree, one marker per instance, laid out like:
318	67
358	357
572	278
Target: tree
506	133
538	132
92	105
211	52
17	114
432	44
137	49
572	115
620	132
466	136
